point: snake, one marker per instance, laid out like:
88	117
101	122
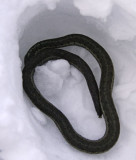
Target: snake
51	49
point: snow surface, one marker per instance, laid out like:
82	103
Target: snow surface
28	134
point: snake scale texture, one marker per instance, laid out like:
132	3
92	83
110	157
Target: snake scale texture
47	50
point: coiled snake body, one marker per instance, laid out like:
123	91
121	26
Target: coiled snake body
47	50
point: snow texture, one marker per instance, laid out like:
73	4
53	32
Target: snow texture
28	134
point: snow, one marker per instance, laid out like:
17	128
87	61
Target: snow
99	9
28	134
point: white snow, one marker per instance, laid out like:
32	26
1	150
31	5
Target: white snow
99	9
28	134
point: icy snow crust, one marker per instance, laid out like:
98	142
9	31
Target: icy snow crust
28	134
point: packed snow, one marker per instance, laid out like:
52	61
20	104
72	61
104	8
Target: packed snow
28	134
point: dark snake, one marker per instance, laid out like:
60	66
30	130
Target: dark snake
46	50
